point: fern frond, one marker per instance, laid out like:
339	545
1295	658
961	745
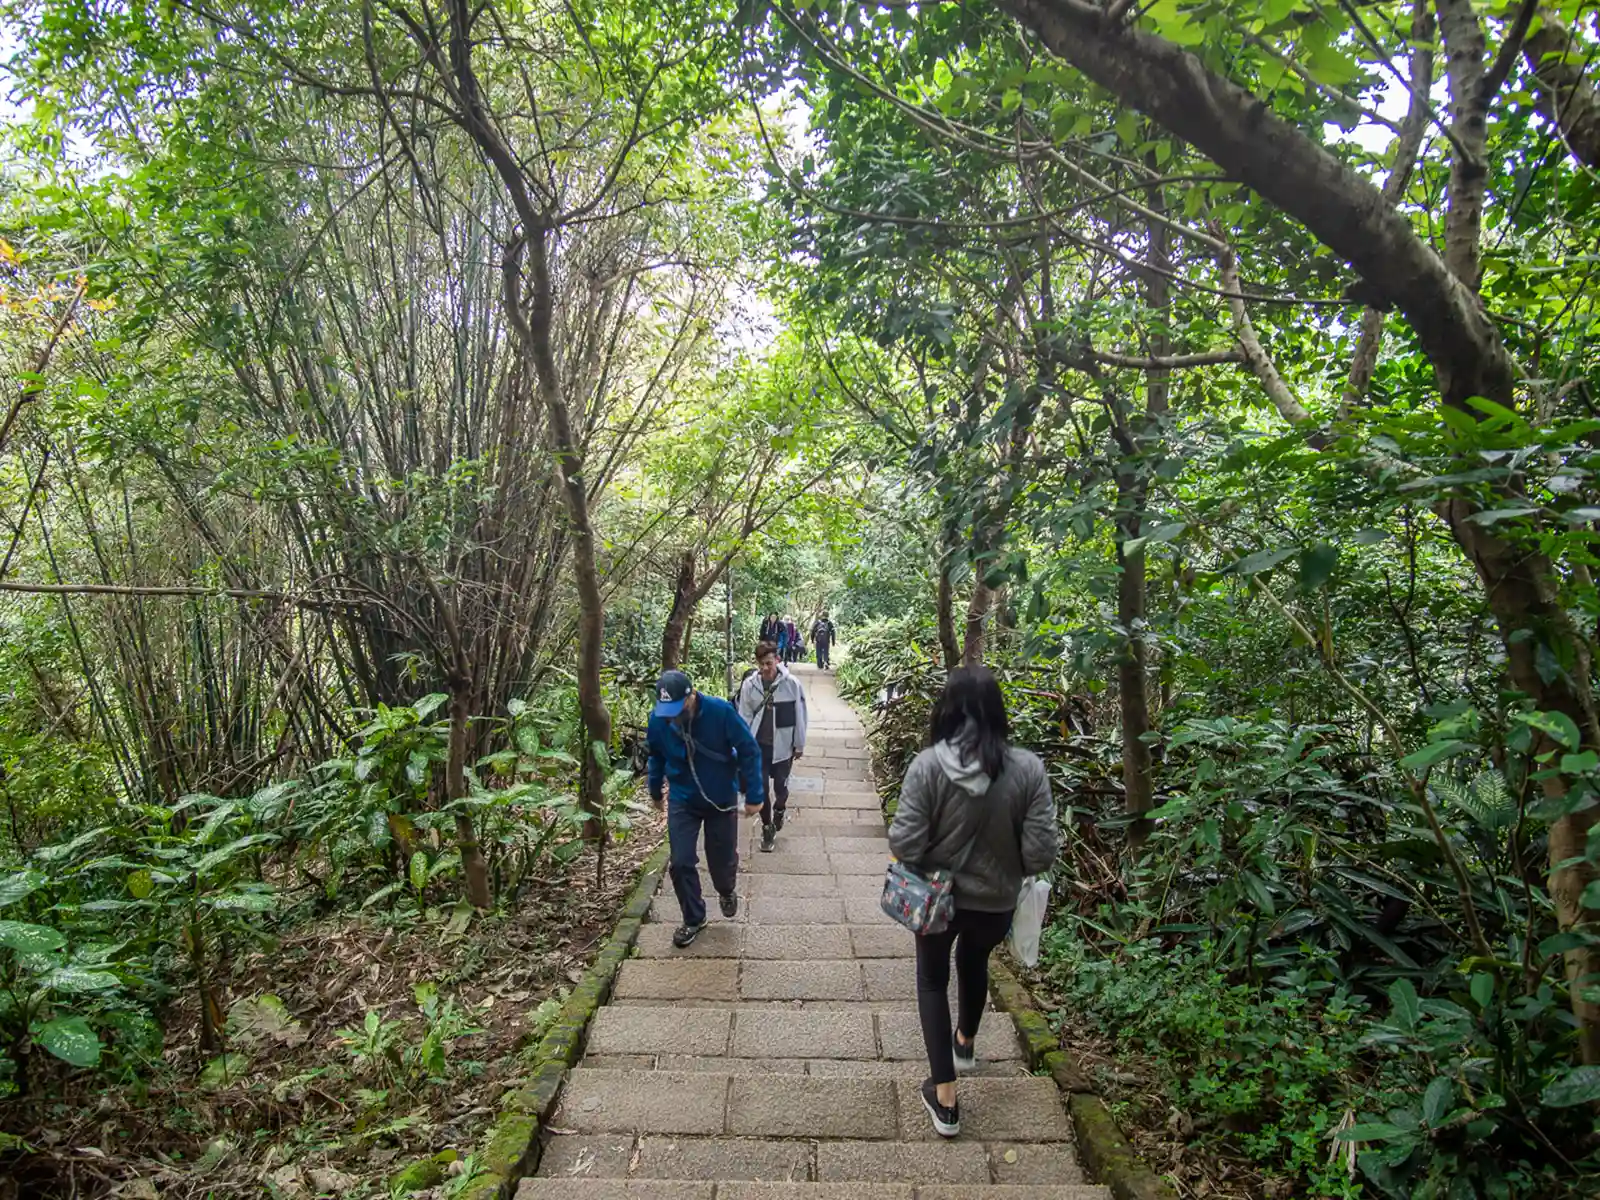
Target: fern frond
1495	797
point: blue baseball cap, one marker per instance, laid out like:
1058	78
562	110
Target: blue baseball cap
672	690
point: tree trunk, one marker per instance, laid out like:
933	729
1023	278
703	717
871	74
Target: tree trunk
673	640
1238	132
1132	698
977	614
474	870
945	600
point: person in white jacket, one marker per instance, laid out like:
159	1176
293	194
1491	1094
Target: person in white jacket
774	704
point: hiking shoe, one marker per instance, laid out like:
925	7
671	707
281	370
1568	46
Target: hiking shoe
686	933
966	1056
730	904
946	1121
769	838
777	820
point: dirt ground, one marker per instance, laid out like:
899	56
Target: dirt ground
330	1083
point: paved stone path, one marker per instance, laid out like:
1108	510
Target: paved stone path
779	1057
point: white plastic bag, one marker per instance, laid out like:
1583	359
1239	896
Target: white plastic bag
1027	923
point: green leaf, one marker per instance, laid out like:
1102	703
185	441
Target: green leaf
1580	1085
77	980
258	902
419	871
1422	759
1437	1099
1376	1132
426	707
1406	1009
71	1040
140	884
1492	516
1264	560
222	1070
1316	566
21	884
1560	727
30	939
220	856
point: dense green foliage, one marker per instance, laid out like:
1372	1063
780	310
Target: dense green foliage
397	388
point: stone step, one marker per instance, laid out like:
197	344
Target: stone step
709	1103
779	1032
912	1070
655	1189
732	979
850	908
757	1159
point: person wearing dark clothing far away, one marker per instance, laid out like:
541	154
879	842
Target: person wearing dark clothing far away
823	636
791	640
702	755
774	704
980	808
769	628
780	638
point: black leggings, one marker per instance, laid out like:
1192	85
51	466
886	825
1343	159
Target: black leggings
974	935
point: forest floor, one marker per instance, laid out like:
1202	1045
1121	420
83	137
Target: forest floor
359	1044
1163	1135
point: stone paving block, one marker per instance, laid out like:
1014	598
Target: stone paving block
856	845
812	1191
572	1157
674	979
621	1062
806	1034
859	864
721	940
642	1102
733	1066
779	863
798	1106
891	978
900	1037
666	1030
611	1189
857	800
805	783
1010	1110
1009	1192
1019	1163
797	910
797	942
664	910
819	980
736	1159
889	940
862	887
861	911
794	885
902	1162
802	843
857	831
905	1070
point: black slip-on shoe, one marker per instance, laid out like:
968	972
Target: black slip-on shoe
946	1121
686	933
769	838
777	820
966	1056
730	905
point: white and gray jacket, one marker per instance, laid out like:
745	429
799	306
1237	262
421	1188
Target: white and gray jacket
788	701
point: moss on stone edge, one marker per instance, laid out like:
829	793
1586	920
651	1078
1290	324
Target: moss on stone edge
512	1148
1104	1151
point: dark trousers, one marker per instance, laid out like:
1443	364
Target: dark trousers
684	823
776	798
822	655
974	936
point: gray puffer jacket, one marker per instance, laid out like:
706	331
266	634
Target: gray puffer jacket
946	803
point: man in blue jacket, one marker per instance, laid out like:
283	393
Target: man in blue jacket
703	754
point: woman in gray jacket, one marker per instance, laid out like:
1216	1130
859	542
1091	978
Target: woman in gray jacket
979	807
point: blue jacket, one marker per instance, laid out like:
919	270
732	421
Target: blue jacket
726	757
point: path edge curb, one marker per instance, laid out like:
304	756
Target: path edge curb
1104	1151
510	1151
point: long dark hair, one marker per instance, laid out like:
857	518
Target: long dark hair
973	694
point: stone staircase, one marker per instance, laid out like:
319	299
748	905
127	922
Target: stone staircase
779	1057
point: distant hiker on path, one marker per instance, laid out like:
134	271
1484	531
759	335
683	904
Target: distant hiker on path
780	638
769	628
976	806
823	635
790	640
773	703
704	755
